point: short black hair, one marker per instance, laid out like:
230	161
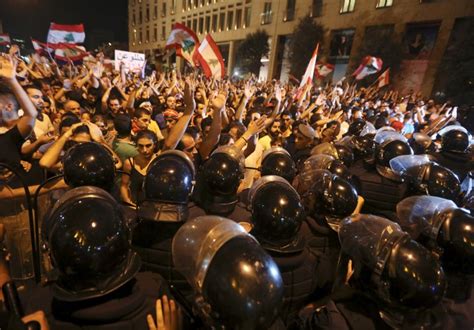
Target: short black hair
123	125
68	121
206	122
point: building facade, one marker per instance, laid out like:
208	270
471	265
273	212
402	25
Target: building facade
424	27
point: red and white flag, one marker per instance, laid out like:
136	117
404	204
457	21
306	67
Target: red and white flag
4	39
69	34
210	58
384	78
185	41
308	75
369	65
68	53
322	70
41	48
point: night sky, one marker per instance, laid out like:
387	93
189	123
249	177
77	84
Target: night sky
31	18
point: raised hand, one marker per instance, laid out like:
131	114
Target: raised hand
257	126
189	94
7	67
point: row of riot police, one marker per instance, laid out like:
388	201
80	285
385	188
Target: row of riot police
294	251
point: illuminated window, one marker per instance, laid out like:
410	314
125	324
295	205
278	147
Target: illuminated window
347	6
384	3
222	22
238	18
230	20
267	13
247	16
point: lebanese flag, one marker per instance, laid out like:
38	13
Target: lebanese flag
322	70
69	34
308	75
384	78
210	58
185	41
4	39
68	52
41	48
369	65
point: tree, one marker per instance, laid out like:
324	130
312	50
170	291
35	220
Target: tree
379	43
251	50
305	37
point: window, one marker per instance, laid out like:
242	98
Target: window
133	18
347	6
238	18
222	22
163	32
201	24
147	35
173	7
195	24
214	23
316	8
155	11
208	24
184	5
384	3
140	16
248	16
163	10
155	33
188	23
134	36
140	36
147	13
230	20
267	13
290	10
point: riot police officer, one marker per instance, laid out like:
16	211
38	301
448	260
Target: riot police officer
455	141
390	282
98	284
277	216
167	187
448	231
380	187
236	284
217	183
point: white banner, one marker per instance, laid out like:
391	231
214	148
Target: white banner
134	62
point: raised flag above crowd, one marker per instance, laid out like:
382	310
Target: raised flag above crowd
384	78
369	65
210	58
308	75
185	41
62	33
322	70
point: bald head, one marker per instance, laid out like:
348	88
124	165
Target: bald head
73	106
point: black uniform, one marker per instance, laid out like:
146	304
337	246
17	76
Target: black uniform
459	163
381	195
125	308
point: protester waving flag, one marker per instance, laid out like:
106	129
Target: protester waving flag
369	65
69	34
41	48
308	75
210	58
384	78
4	39
185	41
322	70
72	53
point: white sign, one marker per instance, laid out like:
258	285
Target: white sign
134	62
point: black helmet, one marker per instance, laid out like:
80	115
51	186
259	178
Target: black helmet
170	178
356	127
277	214
422	144
237	284
89	164
326	162
332	197
454	138
443	227
89	245
402	273
277	161
363	145
381	121
385	152
338	151
427	177
223	171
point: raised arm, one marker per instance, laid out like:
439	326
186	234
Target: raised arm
8	73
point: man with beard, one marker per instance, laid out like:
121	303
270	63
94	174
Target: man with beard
274	132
